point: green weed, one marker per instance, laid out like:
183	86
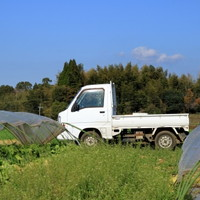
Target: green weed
102	172
21	155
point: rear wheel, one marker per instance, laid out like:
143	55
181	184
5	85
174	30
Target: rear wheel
165	140
91	138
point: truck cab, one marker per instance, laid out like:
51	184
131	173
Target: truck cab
91	110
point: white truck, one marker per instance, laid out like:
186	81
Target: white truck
93	111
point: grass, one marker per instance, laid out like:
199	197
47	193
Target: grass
103	172
6	135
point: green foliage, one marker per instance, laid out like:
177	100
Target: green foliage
56	108
40	96
72	75
4	171
23	85
6	89
61	97
62	93
103	172
174	101
146	89
12	155
34	99
91	77
7	94
6	102
46	82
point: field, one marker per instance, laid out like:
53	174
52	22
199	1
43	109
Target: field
194	120
103	172
66	171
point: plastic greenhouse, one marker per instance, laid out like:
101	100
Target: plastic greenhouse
30	128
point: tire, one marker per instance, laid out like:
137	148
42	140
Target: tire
91	138
165	140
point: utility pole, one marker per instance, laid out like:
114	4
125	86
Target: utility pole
40	108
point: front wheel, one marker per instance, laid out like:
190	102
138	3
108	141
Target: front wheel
165	140
91	138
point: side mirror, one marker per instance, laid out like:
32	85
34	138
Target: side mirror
75	107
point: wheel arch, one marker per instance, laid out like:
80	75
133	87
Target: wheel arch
89	129
174	131
158	130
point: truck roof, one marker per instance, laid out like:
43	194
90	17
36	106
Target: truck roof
96	86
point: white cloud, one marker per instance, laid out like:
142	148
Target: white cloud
147	54
163	57
143	52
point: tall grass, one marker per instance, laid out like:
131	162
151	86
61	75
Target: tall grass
103	172
188	182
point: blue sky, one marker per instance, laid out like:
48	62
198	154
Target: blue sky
38	36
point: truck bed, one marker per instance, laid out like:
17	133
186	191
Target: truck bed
144	120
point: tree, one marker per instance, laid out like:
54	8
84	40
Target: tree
197	87
140	102
189	100
127	99
8	102
147	89
72	75
197	104
62	94
6	89
56	108
174	101
173	81
46	81
35	98
23	86
185	83
91	77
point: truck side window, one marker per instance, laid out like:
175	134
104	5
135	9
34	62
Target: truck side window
90	98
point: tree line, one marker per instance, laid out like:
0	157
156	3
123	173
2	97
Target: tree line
147	89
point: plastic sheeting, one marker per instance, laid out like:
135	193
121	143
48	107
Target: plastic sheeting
190	156
30	128
191	152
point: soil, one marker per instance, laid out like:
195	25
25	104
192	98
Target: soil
7	142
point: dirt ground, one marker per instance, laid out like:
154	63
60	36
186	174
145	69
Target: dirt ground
7	142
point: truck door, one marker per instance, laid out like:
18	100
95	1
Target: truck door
89	107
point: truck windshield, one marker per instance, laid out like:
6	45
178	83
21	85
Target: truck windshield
90	98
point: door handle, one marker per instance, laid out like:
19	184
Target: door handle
102	111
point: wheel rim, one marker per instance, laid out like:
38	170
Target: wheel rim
90	141
165	141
